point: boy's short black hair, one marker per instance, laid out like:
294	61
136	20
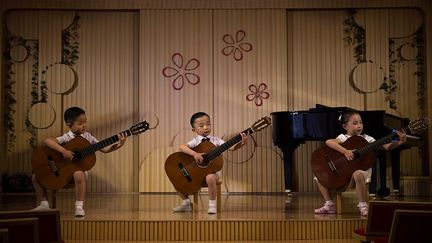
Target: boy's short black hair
196	116
72	113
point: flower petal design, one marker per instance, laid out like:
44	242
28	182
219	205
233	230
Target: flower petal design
258	101
238	55
240	35
192	64
192	78
262	87
228	50
227	38
253	88
177	59
264	95
246	47
169	72
178	82
250	97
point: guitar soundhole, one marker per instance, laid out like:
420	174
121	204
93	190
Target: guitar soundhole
205	162
77	155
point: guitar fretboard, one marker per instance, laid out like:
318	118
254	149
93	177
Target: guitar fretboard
215	152
377	144
102	144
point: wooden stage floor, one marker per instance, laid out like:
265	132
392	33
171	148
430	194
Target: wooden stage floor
246	217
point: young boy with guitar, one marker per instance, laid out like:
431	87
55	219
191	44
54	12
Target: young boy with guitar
201	125
75	119
352	123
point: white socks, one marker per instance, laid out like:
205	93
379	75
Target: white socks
362	204
212	203
186	201
79	204
45	204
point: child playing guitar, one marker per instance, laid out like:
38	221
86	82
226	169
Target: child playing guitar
75	119
352	123
201	125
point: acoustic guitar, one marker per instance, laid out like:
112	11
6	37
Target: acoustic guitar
54	171
187	175
334	171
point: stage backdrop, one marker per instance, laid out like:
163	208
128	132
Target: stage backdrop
237	65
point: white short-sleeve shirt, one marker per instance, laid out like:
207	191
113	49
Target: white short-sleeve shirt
65	138
198	139
344	137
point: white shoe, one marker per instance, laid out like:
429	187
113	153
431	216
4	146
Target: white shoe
212	209
79	212
41	207
183	208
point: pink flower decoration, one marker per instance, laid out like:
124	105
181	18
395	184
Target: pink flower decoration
237	46
258	93
181	72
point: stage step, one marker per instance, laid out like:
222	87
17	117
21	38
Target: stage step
210	230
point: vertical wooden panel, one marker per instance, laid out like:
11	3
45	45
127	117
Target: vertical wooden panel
265	64
163	34
104	90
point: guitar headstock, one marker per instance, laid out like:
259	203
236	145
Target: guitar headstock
139	128
261	124
417	126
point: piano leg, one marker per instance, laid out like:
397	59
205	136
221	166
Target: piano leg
288	154
383	191
374	179
395	163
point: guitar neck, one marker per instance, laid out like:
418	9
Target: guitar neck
215	152
376	145
102	144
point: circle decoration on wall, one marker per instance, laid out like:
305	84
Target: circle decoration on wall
367	77
19	53
60	78
41	115
408	52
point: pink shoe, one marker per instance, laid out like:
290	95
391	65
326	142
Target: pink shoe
363	208
328	208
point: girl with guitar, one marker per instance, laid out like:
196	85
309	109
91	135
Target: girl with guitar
75	119
352	123
201	125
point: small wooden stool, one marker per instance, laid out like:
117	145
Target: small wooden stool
71	184
218	197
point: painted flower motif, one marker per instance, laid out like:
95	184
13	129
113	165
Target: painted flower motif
258	93
236	46
181	71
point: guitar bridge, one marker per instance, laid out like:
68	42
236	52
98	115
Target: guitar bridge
331	165
184	172
53	166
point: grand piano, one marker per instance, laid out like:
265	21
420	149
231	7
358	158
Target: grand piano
292	128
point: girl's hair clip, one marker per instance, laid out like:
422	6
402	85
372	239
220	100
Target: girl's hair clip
340	118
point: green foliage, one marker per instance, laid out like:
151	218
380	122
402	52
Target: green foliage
355	35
